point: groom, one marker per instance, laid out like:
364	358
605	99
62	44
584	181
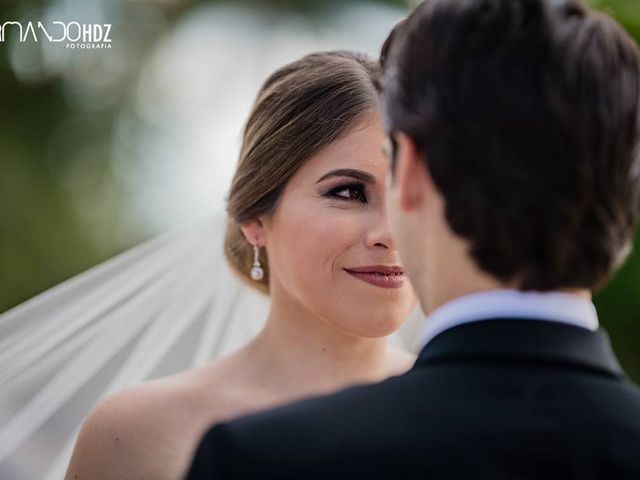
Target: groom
515	193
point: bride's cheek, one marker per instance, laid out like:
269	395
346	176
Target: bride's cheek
315	242
335	239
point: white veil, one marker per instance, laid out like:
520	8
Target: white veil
164	306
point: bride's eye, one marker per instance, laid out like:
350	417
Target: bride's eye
349	191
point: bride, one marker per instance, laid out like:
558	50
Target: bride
307	225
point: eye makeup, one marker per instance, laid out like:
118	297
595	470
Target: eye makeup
356	191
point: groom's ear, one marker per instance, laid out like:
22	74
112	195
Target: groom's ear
412	178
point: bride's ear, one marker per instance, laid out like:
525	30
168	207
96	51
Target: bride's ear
254	232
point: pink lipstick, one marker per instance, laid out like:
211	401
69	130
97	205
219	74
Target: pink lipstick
380	275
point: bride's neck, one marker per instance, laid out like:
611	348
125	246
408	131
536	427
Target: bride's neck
298	353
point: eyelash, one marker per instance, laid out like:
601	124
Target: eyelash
357	186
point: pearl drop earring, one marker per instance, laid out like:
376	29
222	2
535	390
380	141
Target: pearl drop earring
256	271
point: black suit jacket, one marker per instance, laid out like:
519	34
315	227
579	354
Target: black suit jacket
495	399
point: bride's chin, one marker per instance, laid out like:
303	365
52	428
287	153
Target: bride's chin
368	329
380	318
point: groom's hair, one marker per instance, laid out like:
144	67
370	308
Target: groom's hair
525	113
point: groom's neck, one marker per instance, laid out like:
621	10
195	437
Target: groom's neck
448	284
452	286
444	270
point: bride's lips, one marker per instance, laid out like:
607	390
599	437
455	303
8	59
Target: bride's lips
379	275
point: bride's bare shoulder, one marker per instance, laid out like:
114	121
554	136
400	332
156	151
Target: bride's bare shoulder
151	428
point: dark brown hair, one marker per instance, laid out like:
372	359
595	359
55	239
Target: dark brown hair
301	108
526	115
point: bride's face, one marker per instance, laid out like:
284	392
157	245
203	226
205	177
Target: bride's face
330	220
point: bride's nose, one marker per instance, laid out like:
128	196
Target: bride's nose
379	231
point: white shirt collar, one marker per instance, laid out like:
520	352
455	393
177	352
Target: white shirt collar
551	306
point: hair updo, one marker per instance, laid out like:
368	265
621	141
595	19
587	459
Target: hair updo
301	108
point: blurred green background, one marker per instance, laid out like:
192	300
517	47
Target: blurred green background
66	205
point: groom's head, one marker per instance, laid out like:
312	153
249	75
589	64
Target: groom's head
515	126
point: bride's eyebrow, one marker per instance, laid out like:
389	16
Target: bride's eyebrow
349	172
